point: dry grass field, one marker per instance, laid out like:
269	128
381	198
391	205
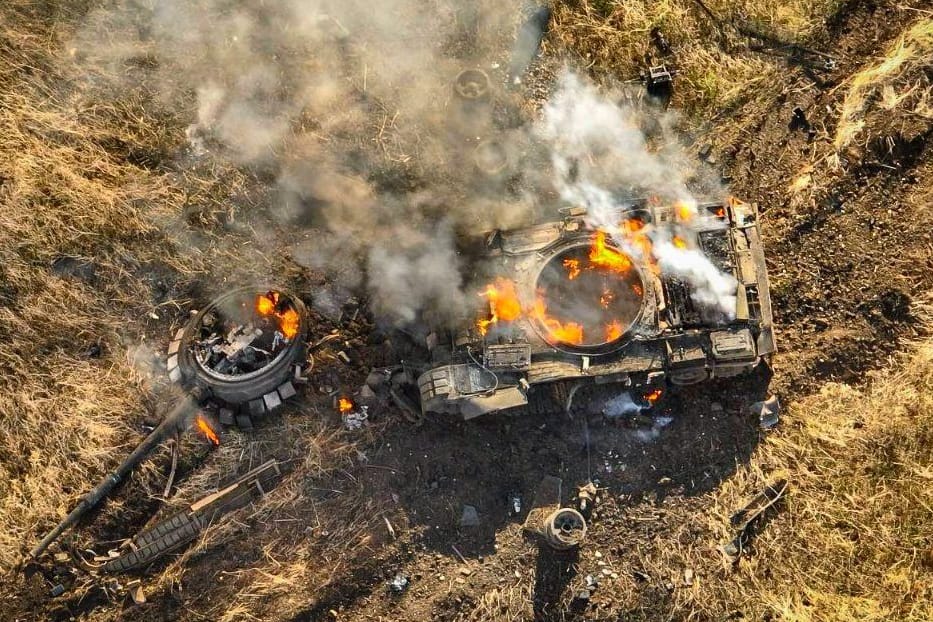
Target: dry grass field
109	234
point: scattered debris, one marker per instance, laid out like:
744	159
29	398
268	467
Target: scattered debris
399	583
586	499
138	595
515	504
469	517
353	416
659	41
688	577
767	412
744	520
389	527
183	527
58	590
660	85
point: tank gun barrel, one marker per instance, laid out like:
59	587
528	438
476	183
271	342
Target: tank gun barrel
173	421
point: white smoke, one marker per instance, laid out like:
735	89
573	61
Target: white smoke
621	405
710	288
601	156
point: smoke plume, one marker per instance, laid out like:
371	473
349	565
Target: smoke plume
347	110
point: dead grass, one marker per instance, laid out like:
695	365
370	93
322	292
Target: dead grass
896	85
715	72
854	541
66	416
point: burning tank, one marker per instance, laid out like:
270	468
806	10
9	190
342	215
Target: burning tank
572	310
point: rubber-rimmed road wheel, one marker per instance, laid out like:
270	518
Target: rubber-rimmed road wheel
252	392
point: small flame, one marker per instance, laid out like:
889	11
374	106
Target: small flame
603	256
679	242
637	289
635	232
721	212
265	303
504	304
573	268
613	330
344	405
289	320
606	298
205	428
653	396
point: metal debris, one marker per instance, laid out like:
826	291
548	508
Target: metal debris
744	520
660	84
138	595
356	418
181	528
586	499
399	583
767	412
469	517
515	504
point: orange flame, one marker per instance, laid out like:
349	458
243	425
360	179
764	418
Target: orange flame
685	211
613	331
504	304
653	396
637	289
606	298
573	268
679	242
632	225
289	320
205	428
344	405
569	332
602	256
721	212
635	232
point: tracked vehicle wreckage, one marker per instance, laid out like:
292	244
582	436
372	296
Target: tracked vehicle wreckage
644	330
574	315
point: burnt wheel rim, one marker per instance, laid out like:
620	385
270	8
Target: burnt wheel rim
245	334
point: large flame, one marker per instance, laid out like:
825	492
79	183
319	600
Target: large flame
606	257
288	319
205	429
504	304
560	332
